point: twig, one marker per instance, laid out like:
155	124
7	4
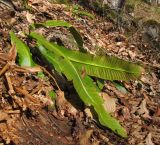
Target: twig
36	89
12	92
4	69
51	77
12	53
25	93
10	86
13	111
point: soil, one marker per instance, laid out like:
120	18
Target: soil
28	115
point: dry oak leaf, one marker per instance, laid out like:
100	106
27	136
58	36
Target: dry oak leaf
30	18
109	103
149	139
143	111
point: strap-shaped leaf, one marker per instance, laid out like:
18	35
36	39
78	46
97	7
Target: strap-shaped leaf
72	74
25	57
105	119
84	86
60	23
56	23
105	67
50	58
83	13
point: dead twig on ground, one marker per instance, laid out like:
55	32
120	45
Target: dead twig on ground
5	68
10	86
27	69
25	93
51	76
36	89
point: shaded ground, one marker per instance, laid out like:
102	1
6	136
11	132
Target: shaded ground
29	116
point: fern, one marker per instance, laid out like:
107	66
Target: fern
105	67
25	57
72	63
60	23
88	92
83	13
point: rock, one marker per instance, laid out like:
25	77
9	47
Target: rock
152	33
115	4
152	28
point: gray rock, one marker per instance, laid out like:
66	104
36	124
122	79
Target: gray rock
152	33
115	4
152	29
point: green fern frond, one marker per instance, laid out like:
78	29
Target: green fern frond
87	90
105	67
25	57
60	23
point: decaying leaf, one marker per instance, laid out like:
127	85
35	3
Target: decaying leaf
3	116
88	113
87	90
30	18
84	138
143	111
109	103
63	106
149	139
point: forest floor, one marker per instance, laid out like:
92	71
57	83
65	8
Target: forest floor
29	116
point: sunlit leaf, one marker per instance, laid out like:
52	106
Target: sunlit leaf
87	90
60	23
52	94
104	67
24	55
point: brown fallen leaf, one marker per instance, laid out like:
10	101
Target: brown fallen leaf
84	138
158	112
30	18
143	111
3	116
63	106
109	103
88	113
132	54
149	139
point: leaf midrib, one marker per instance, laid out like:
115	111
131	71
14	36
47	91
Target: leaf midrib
77	75
101	66
61	54
75	72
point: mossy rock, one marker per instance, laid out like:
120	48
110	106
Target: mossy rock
151	33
